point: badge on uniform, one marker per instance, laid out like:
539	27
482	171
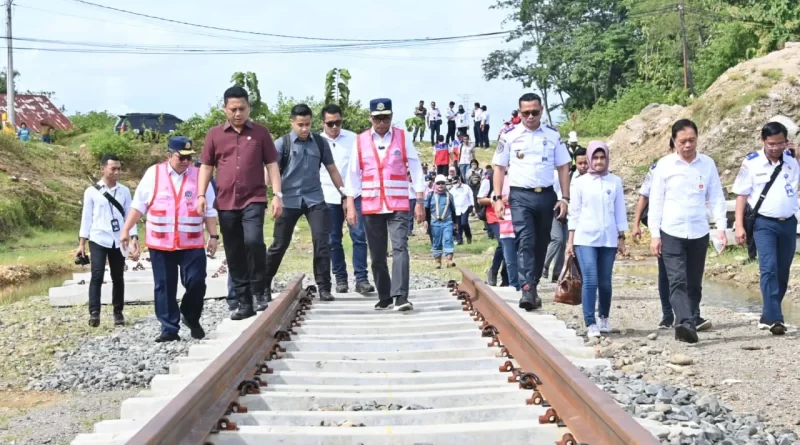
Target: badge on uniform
789	191
188	194
520	155
397	153
115	225
544	158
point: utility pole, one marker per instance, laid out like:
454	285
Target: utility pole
465	99
687	70
10	74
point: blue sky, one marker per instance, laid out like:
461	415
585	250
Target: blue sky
183	85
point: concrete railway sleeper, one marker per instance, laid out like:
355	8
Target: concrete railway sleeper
463	368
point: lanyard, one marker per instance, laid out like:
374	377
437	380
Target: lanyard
440	215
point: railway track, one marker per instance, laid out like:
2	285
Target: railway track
463	368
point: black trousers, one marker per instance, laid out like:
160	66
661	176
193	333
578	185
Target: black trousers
462	131
319	219
476	129
485	136
451	131
436	127
684	261
98	256
243	235
442	169
382	228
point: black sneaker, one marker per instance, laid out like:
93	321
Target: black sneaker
163	338
363	287
195	329
666	323
119	319
94	319
777	328
530	299
402	304
384	305
244	311
262	302
325	295
342	288
491	278
703	324
685	333
469	240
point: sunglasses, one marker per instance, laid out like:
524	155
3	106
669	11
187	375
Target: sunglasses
332	124
382	118
530	113
440	183
184	158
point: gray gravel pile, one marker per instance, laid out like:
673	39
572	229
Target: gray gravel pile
681	416
129	358
368	406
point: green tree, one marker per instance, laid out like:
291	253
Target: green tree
4	80
337	89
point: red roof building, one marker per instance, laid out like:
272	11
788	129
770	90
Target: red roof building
33	109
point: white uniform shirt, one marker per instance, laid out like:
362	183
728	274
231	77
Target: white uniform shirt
648	182
462	198
465	154
531	155
144	192
781	200
478	115
462	120
485	118
597	210
352	183
98	212
341	148
412	194
678	197
434	115
557	183
451	114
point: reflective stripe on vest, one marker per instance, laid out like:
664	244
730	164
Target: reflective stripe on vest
383	182
172	219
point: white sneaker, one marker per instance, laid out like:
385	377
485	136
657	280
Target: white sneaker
593	331
604	325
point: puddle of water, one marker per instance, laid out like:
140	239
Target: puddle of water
33	288
737	298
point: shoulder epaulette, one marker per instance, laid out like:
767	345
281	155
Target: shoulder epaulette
653	167
752	155
788	152
508	129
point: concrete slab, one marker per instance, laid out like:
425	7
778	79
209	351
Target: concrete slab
386	365
390	378
139	292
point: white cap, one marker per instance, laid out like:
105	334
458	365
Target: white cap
439	178
573	136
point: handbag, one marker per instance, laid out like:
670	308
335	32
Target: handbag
570	283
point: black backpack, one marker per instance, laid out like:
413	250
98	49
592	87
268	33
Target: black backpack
475	179
482	208
287	150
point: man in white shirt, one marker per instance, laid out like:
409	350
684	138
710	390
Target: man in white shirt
434	122
530	152
484	127
559	232
341	142
477	118
462	201
105	205
682	184
766	206
384	201
451	123
175	239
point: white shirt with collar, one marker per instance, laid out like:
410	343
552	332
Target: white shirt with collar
781	199
434	115
98	213
341	148
678	197
462	198
462	120
557	184
531	155
485	116
648	182
352	181
144	192
477	115
451	114
597	210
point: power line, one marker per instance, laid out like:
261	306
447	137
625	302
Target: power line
330	39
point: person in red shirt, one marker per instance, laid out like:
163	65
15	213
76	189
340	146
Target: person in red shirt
442	154
515	119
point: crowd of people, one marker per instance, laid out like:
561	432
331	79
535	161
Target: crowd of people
541	200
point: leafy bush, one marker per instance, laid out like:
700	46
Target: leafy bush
92	121
109	142
604	118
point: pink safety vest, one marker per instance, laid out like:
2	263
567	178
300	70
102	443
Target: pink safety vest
172	219
506	225
383	182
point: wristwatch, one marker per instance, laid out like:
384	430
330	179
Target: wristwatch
341	190
565	198
214	236
134	236
496	198
279	195
621	237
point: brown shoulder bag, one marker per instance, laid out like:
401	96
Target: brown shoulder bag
569	283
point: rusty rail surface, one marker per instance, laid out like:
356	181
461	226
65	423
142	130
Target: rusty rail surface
198	409
590	414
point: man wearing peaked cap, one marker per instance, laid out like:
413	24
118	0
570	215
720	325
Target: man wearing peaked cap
386	157
174	235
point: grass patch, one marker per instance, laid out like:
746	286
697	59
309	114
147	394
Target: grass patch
774	74
737	76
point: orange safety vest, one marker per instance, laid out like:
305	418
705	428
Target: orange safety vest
173	222
383	182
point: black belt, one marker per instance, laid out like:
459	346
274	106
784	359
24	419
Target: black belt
771	218
532	189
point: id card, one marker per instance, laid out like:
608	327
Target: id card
115	225
789	190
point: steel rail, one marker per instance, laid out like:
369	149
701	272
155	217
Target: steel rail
590	414
197	409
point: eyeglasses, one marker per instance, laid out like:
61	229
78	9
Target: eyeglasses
780	145
382	118
332	124
529	113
